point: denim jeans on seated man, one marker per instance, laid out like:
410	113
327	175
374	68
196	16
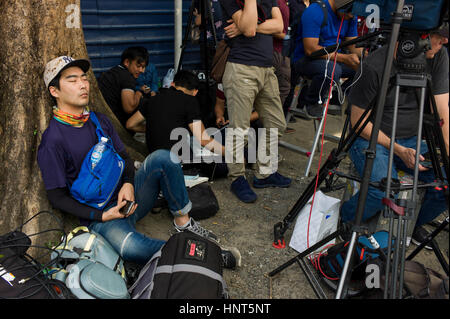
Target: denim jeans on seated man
161	171
314	69
433	202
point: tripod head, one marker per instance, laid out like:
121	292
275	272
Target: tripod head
412	46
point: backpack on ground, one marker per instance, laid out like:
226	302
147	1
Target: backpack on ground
204	201
21	275
330	264
188	266
90	266
95	186
424	283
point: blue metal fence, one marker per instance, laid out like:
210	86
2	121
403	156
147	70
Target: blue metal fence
110	26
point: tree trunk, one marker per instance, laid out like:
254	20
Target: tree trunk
32	32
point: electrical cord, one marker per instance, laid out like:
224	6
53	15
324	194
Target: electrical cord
323	135
340	98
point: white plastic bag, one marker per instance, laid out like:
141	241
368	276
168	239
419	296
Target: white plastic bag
168	79
324	220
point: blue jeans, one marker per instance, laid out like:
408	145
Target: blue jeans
161	171
433	202
315	69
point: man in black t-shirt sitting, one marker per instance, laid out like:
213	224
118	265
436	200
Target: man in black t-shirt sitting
173	111
364	95
118	84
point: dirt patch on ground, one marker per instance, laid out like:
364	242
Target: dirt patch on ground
249	227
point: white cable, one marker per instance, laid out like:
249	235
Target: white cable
325	76
354	82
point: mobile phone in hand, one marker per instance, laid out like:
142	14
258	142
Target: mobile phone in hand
426	164
125	210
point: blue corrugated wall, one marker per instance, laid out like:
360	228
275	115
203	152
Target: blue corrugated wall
110	26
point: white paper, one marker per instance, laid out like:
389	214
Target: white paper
324	220
191	181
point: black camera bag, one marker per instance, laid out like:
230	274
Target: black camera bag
188	266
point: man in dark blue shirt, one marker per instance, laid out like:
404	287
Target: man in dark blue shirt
249	82
312	36
69	137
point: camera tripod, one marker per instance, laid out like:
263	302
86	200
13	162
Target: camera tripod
207	20
393	209
207	86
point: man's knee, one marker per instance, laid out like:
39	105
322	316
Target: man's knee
162	159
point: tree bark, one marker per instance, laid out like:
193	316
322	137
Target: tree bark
32	32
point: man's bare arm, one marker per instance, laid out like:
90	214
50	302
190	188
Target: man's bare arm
408	155
442	108
130	100
273	25
246	19
312	45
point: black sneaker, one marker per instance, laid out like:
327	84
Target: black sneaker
231	258
419	235
195	227
334	109
314	112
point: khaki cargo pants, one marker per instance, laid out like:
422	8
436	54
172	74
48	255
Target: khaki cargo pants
249	88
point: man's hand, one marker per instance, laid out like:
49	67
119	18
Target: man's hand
220	121
232	30
352	60
126	193
113	212
408	156
145	89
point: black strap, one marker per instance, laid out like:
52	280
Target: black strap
323	6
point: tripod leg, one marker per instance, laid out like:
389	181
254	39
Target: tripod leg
186	35
315	142
416	181
429	239
388	195
370	154
305	252
336	156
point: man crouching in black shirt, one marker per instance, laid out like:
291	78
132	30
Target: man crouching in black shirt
118	84
172	109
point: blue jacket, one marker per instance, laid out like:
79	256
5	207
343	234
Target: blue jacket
149	78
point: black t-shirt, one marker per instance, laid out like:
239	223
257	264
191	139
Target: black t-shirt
365	92
257	50
165	112
111	83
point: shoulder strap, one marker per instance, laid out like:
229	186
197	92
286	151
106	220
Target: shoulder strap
323	6
99	130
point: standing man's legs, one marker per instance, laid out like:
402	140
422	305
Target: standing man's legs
269	107
241	84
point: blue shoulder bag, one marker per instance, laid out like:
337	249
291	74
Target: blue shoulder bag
94	187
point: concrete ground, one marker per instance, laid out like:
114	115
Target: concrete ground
249	227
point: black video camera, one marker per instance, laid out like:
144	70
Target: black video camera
419	15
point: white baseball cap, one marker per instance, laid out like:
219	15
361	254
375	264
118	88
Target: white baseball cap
55	66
